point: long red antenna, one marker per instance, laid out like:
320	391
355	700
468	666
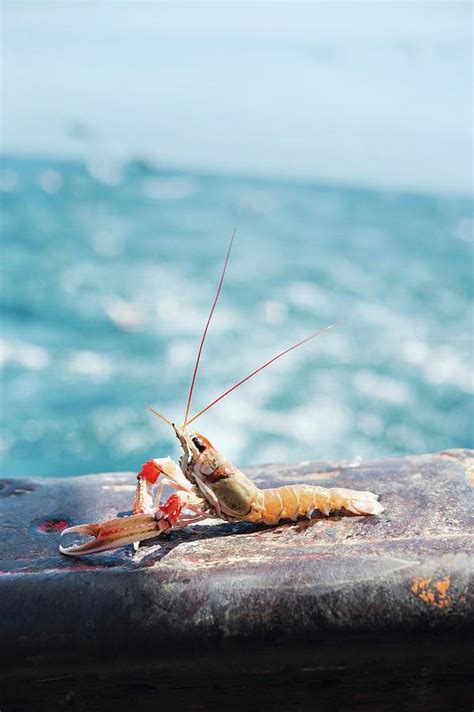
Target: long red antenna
193	381
282	353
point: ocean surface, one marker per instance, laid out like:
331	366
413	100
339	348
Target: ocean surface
109	271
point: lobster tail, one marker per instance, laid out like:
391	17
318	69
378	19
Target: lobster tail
293	501
357	502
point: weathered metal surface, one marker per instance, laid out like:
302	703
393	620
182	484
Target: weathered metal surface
213	591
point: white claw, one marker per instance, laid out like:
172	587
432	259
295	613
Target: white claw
112	534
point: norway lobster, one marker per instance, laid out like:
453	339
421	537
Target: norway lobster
207	485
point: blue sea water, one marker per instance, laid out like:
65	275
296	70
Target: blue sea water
108	276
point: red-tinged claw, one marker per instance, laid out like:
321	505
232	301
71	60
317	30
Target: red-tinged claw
125	530
112	534
150	472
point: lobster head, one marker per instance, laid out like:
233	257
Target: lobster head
229	493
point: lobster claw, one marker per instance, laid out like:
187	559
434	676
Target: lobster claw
124	530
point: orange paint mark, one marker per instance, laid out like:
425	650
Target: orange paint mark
435	593
443	586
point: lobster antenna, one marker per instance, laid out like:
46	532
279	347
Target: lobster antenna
282	353
155	412
193	381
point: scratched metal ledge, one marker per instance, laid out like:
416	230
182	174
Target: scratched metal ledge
376	610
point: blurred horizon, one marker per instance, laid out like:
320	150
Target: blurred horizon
358	94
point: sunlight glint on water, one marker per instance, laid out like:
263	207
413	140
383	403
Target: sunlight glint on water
106	289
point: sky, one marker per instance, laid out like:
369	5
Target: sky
355	93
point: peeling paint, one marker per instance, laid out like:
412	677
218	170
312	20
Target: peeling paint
433	592
51	526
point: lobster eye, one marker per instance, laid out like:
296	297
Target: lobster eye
199	443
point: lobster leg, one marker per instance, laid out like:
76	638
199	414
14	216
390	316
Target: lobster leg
168	473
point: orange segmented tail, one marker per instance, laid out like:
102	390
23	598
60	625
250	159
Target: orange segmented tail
293	501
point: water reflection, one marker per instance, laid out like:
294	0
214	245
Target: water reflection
107	282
